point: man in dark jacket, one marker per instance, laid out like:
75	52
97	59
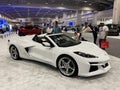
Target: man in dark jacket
95	31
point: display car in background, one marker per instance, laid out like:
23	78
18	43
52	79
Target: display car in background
71	57
29	30
4	26
113	30
119	27
71	28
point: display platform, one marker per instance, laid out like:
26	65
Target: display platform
30	75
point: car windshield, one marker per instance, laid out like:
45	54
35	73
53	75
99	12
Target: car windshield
64	40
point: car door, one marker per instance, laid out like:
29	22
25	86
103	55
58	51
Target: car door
41	52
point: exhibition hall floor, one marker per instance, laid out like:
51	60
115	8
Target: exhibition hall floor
30	75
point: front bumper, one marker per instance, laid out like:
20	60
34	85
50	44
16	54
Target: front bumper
95	68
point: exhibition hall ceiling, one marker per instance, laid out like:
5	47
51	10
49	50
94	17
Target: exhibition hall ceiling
49	8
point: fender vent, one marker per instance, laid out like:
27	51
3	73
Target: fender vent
27	49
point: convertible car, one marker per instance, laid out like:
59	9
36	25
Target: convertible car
29	30
71	57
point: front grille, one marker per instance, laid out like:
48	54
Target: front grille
93	68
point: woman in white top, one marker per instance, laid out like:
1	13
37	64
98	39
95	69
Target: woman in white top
103	31
49	29
76	36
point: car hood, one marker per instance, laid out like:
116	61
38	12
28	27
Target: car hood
88	48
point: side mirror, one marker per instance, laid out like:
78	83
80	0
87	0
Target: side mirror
46	44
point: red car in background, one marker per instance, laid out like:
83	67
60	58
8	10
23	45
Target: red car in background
29	30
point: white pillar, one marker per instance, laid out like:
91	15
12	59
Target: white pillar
116	12
94	19
64	19
64	16
79	15
56	18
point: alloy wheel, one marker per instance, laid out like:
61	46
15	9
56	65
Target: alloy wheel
66	66
14	52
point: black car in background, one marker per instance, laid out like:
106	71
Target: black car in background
113	29
119	27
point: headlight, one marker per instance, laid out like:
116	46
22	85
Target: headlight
85	55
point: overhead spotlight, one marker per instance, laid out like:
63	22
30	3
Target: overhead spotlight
46	3
28	3
61	8
9	4
87	8
90	4
85	1
62	4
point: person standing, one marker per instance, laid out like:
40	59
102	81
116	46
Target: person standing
16	28
85	31
44	28
65	28
95	30
103	32
86	27
56	28
49	29
75	36
78	30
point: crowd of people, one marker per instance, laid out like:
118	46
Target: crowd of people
50	30
100	30
94	31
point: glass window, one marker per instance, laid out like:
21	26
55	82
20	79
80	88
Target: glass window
64	40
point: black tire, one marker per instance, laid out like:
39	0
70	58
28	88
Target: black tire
21	34
117	34
38	33
1	31
73	66
14	52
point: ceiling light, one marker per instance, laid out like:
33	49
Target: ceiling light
28	3
90	4
62	4
85	1
9	4
87	8
61	8
46	3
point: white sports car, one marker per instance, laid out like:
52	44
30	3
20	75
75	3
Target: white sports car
71	57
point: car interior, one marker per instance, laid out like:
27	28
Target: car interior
41	40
